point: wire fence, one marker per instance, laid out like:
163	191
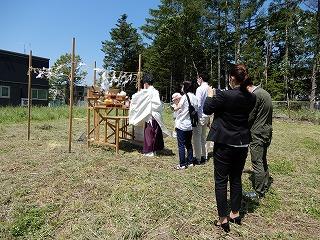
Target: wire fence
295	105
60	103
297	110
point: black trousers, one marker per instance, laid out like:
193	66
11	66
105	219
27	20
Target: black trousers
228	165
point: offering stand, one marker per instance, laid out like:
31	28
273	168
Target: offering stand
110	119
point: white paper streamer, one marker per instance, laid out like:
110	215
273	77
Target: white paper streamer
108	78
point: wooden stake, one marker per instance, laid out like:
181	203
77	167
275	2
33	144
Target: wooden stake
94	74
88	118
29	92
139	74
71	91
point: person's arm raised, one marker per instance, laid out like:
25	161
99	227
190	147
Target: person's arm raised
214	102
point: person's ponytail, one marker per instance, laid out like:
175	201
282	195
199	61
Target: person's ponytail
240	73
247	82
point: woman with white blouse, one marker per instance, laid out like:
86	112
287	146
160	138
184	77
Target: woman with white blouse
183	125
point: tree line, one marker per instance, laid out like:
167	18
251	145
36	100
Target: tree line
278	40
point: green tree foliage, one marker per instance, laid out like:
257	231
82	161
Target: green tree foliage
290	60
122	51
59	82
278	40
314	36
177	50
236	35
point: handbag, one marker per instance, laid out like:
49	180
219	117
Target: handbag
193	113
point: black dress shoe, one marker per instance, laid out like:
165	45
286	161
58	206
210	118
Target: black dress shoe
224	226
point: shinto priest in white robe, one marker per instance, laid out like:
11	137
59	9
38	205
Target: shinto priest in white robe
144	105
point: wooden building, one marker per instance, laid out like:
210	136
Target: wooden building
14	80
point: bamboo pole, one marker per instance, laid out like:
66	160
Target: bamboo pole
29	92
88	119
71	92
94	74
95	115
171	81
139	74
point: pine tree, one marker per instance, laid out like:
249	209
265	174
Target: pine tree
286	22
279	47
177	52
315	32
122	51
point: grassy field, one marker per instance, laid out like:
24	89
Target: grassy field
48	193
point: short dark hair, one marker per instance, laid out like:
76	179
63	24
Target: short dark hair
203	76
188	86
147	78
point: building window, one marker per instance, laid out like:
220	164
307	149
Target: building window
40	94
4	91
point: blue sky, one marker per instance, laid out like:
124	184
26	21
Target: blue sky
47	26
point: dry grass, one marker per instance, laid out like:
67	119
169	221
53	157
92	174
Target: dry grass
47	193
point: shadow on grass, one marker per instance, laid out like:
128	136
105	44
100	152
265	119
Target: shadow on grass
248	206
166	152
129	146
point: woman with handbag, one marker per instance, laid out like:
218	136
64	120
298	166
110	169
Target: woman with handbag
183	125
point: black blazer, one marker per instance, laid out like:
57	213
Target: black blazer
231	110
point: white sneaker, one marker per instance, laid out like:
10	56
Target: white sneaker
150	154
190	165
178	167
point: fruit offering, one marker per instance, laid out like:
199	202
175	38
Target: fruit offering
121	96
108	101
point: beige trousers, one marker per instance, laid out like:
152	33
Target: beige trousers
199	136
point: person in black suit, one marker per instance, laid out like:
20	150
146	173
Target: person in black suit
231	136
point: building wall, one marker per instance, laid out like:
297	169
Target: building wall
13	73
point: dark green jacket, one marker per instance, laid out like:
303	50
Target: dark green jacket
260	118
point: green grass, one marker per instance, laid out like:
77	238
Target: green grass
311	144
48	193
312	207
39	114
28	220
284	167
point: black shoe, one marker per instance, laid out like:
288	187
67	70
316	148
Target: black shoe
203	160
251	195
195	161
224	226
236	220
